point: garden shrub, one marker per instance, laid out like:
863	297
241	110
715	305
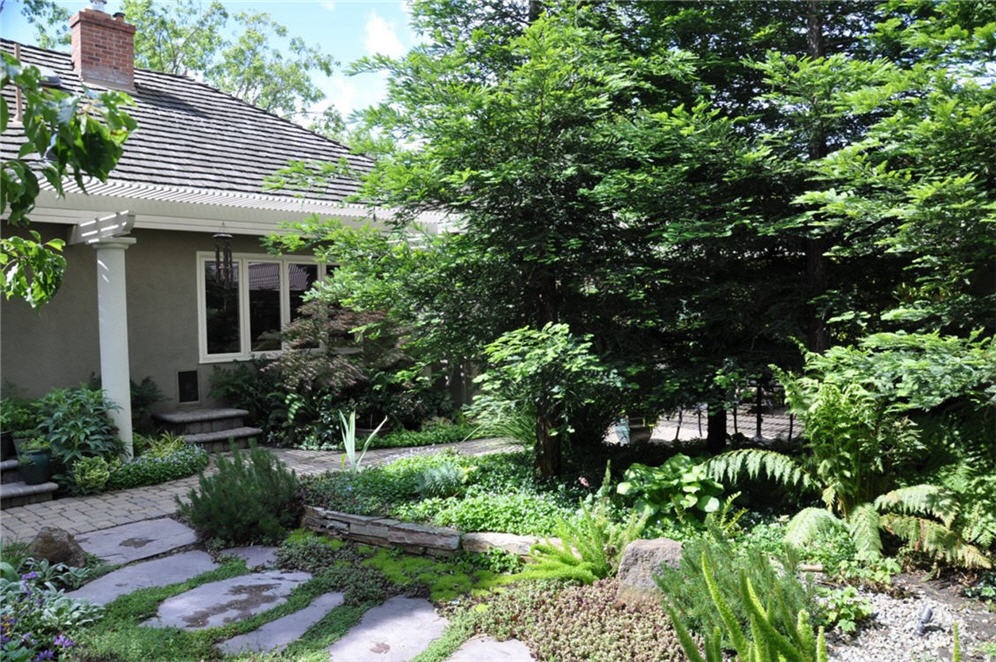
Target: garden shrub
439	433
686	590
76	423
90	475
250	499
158	465
674	489
17	414
579	623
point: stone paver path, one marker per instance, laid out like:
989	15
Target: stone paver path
228	600
100	511
276	635
138	540
396	631
145	574
486	649
257	556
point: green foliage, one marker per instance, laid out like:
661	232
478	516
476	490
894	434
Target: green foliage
548	371
983	590
76	423
844	608
441	481
90	474
144	394
674	489
521	513
590	547
17	414
73	136
498	417
35	617
429	435
773	635
158	465
251	498
252	386
688	591
349	441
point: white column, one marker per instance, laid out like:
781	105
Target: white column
112	307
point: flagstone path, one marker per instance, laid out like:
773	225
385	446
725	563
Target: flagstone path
276	635
146	574
396	631
100	511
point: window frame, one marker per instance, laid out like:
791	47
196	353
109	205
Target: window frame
242	261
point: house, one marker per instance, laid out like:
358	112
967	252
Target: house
142	296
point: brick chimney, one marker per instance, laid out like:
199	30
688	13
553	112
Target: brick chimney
103	49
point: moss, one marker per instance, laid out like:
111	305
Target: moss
445	580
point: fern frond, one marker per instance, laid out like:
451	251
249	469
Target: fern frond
863	523
685	638
921	500
808	523
725	613
728	468
763	631
935	539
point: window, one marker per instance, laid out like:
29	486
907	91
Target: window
245	319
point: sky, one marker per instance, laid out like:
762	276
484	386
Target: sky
345	29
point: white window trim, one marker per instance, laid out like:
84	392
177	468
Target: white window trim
242	261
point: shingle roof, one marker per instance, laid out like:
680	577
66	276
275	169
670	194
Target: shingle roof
193	136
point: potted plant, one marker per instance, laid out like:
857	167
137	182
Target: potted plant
34	460
16	420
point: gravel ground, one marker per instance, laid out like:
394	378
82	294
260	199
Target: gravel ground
891	634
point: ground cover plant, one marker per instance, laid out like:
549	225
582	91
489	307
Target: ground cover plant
488	493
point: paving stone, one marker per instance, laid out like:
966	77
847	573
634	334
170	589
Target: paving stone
396	631
258	556
276	635
138	540
481	649
228	600
158	572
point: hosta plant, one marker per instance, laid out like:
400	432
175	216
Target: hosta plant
677	487
853	442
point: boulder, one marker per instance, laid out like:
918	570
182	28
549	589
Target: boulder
57	546
641	561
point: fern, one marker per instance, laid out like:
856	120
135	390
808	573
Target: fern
809	523
921	499
729	467
863	526
589	549
934	539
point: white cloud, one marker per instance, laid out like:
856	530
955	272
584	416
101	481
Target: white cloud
382	38
328	4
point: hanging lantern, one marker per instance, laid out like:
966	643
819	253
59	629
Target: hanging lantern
224	270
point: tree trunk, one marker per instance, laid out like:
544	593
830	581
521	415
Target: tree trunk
716	428
817	281
547	447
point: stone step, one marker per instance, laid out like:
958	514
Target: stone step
19	493
221	440
274	636
145	574
198	421
396	631
480	648
227	601
9	472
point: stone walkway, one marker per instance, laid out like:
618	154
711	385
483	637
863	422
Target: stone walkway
397	630
101	511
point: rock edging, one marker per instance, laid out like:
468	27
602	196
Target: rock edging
412	538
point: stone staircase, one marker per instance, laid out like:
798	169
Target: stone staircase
212	429
15	492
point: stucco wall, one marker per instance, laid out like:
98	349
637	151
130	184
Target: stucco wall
58	345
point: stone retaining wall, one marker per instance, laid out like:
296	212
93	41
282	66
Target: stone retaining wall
412	538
